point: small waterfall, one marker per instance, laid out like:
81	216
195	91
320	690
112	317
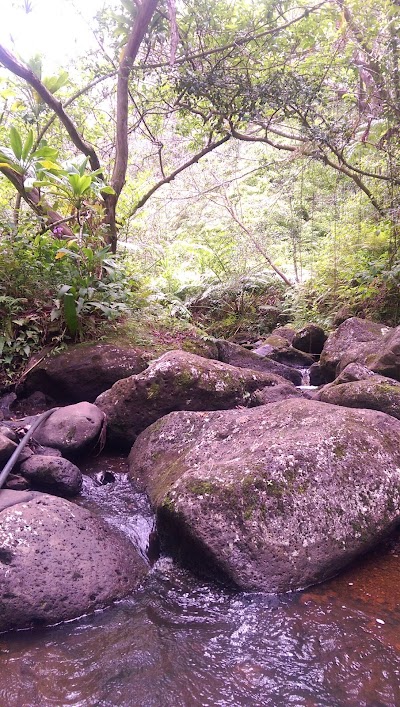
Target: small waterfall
305	376
305	380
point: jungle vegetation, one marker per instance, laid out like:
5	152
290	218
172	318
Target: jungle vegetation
251	145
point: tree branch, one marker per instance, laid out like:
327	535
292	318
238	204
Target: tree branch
12	64
68	102
144	15
34	199
315	154
212	146
239	42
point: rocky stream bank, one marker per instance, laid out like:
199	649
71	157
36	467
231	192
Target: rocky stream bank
254	481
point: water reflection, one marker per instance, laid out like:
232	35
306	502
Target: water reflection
182	642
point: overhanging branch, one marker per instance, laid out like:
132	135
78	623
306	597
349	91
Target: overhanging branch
212	146
18	69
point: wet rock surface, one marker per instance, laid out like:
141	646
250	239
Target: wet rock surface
52	474
58	561
274	498
73	430
177	381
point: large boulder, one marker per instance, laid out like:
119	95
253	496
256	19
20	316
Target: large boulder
238	356
310	339
74	429
58	561
354	340
52	474
373	393
275	393
278	349
353	372
285	332
82	372
177	381
387	360
274	498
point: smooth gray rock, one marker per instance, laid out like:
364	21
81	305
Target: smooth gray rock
274	498
8	432
52	475
177	381
74	429
58	561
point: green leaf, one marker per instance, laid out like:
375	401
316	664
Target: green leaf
70	314
79	184
107	190
27	145
16	142
48	153
48	164
54	83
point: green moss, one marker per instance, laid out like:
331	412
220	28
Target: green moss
168	503
200	488
339	451
153	391
388	388
184	379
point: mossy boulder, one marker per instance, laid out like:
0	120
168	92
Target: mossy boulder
73	430
177	381
274	498
285	332
372	393
53	475
278	349
354	340
387	360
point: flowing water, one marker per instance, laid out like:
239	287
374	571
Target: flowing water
182	642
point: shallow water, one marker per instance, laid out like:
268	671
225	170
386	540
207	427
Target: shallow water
179	641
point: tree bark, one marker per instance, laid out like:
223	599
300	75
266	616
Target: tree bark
35	201
145	13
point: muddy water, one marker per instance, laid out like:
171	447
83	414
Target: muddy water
181	642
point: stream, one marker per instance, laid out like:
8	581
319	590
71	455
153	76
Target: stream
182	642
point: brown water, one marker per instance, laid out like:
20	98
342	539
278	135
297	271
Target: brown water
178	641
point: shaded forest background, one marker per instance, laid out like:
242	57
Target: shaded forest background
207	162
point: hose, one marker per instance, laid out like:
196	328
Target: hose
14	457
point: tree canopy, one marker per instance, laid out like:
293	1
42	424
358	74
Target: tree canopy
224	137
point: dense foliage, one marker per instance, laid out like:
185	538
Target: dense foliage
260	139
